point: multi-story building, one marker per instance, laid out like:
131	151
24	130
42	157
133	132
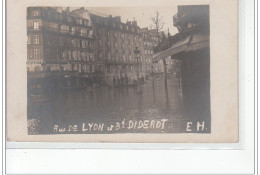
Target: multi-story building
74	48
150	39
119	49
116	43
60	45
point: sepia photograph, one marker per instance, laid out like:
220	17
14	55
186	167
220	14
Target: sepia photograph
123	72
102	70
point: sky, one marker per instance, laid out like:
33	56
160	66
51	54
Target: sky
141	14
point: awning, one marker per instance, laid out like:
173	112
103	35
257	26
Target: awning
190	43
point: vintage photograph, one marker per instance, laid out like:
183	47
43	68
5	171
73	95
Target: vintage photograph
118	70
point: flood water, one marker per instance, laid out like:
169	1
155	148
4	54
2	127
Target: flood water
153	107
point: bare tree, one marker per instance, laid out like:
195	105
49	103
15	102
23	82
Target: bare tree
158	24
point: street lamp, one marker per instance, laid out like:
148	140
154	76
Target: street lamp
137	54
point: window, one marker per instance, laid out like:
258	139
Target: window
108	43
69	54
79	68
124	57
36	25
83	32
87	68
75	67
36	53
64	29
83	44
61	42
89	34
64	54
73	31
74	42
29	53
74	55
85	22
84	67
99	55
36	13
122	36
79	21
87	55
29	39
84	56
79	55
35	39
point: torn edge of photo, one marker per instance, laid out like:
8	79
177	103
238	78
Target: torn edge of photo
152	73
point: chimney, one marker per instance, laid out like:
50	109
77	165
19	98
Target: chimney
67	10
134	23
58	9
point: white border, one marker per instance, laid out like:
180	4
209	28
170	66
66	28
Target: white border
238	145
74	161
2	89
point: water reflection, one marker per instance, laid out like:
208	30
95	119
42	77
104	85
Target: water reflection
158	99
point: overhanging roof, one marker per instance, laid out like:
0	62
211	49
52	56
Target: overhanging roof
189	43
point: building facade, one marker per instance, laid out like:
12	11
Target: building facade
79	48
150	39
120	51
60	45
116	45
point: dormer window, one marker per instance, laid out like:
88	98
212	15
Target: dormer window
79	21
